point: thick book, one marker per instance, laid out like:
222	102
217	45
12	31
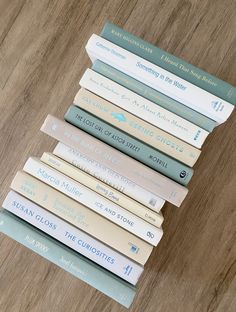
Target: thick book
73	237
81	217
154	96
125	143
169	62
103	189
136	127
159	79
67	259
120	163
143	108
93	201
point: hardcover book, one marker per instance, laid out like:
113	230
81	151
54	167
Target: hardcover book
169	62
65	258
72	237
158	78
82	217
143	108
129	145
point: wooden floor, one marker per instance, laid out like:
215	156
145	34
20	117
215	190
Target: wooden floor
42	57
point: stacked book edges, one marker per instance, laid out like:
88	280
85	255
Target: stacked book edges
128	144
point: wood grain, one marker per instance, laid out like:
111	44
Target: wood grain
42	58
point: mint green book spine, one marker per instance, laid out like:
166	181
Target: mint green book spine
169	62
129	145
154	96
67	259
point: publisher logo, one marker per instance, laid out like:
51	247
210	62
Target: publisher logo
197	135
134	248
119	116
127	270
183	174
218	106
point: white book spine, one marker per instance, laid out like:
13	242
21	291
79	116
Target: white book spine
159	79
94	201
143	108
73	237
109	176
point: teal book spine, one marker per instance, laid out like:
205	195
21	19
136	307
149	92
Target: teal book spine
169	62
129	145
154	96
67	259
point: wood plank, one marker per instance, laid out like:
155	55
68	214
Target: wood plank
42	58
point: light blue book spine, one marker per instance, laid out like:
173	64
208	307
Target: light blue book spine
169	62
129	145
66	258
154	96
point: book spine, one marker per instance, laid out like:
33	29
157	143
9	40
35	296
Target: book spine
159	79
103	189
82	217
143	108
154	96
169	62
70	261
141	175
139	129
107	175
72	237
130	146
95	202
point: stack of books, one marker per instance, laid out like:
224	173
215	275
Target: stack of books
127	145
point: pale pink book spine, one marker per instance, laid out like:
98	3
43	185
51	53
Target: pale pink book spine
114	159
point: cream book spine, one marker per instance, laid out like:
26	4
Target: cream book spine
93	201
137	127
72	237
120	163
143	108
159	79
103	189
82	217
